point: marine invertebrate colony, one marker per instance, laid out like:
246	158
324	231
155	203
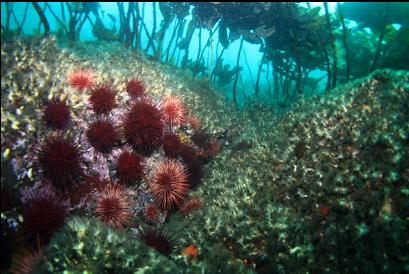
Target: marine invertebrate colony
169	185
119	174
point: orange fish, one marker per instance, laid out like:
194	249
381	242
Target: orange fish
190	252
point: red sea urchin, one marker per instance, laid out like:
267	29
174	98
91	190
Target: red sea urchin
171	145
213	148
193	121
158	240
103	136
81	79
188	154
135	88
114	206
173	111
60	161
57	114
188	206
151	213
129	167
201	139
82	195
196	174
43	216
25	262
169	185
143	127
102	99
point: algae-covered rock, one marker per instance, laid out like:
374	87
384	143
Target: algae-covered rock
314	190
88	246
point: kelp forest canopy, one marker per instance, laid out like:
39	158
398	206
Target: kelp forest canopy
295	40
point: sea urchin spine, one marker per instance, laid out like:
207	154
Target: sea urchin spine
25	262
151	213
193	121
172	145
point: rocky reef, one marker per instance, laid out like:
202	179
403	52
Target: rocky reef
321	188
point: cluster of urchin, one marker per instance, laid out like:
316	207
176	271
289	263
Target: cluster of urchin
129	168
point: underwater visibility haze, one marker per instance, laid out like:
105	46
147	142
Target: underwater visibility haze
204	137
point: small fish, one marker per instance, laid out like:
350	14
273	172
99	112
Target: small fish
191	252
